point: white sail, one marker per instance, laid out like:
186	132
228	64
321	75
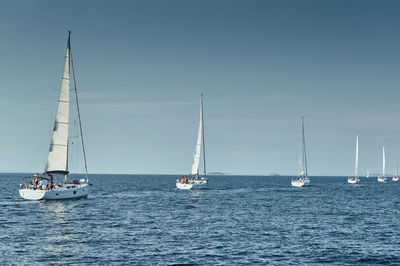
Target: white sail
303	139
302	179
356	166
57	160
383	161
196	160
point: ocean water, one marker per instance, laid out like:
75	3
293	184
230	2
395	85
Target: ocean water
138	219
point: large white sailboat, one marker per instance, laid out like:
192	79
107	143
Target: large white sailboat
382	178
354	179
302	179
396	177
47	187
195	181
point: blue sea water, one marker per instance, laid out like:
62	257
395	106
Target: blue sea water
144	219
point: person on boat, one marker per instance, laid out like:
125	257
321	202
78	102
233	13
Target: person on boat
35	180
40	183
51	181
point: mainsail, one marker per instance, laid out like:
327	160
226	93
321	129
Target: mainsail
57	161
196	160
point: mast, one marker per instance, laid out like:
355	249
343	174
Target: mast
383	161
304	148
204	143
356	166
78	111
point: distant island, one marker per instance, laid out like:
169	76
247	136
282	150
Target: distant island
272	174
216	173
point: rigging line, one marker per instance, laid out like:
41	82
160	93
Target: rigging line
204	144
77	107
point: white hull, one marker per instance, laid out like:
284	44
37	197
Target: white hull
353	180
395	178
67	191
200	183
301	182
184	186
382	179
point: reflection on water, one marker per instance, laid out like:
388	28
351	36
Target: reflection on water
57	218
54	208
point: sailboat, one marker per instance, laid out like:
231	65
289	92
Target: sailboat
46	186
382	178
367	175
396	177
354	179
195	181
302	179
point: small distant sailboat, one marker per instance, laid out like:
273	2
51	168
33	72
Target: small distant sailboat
367	175
45	187
396	177
195	181
382	178
302	179
354	179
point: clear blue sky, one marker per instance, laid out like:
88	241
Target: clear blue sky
141	66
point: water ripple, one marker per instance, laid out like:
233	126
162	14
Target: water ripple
236	220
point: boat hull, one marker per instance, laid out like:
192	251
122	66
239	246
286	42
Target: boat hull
67	191
304	182
199	183
184	186
353	180
382	179
395	178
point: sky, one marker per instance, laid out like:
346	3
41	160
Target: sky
261	65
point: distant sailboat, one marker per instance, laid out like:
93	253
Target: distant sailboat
396	177
382	178
195	181
367	176
354	179
45	187
302	179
